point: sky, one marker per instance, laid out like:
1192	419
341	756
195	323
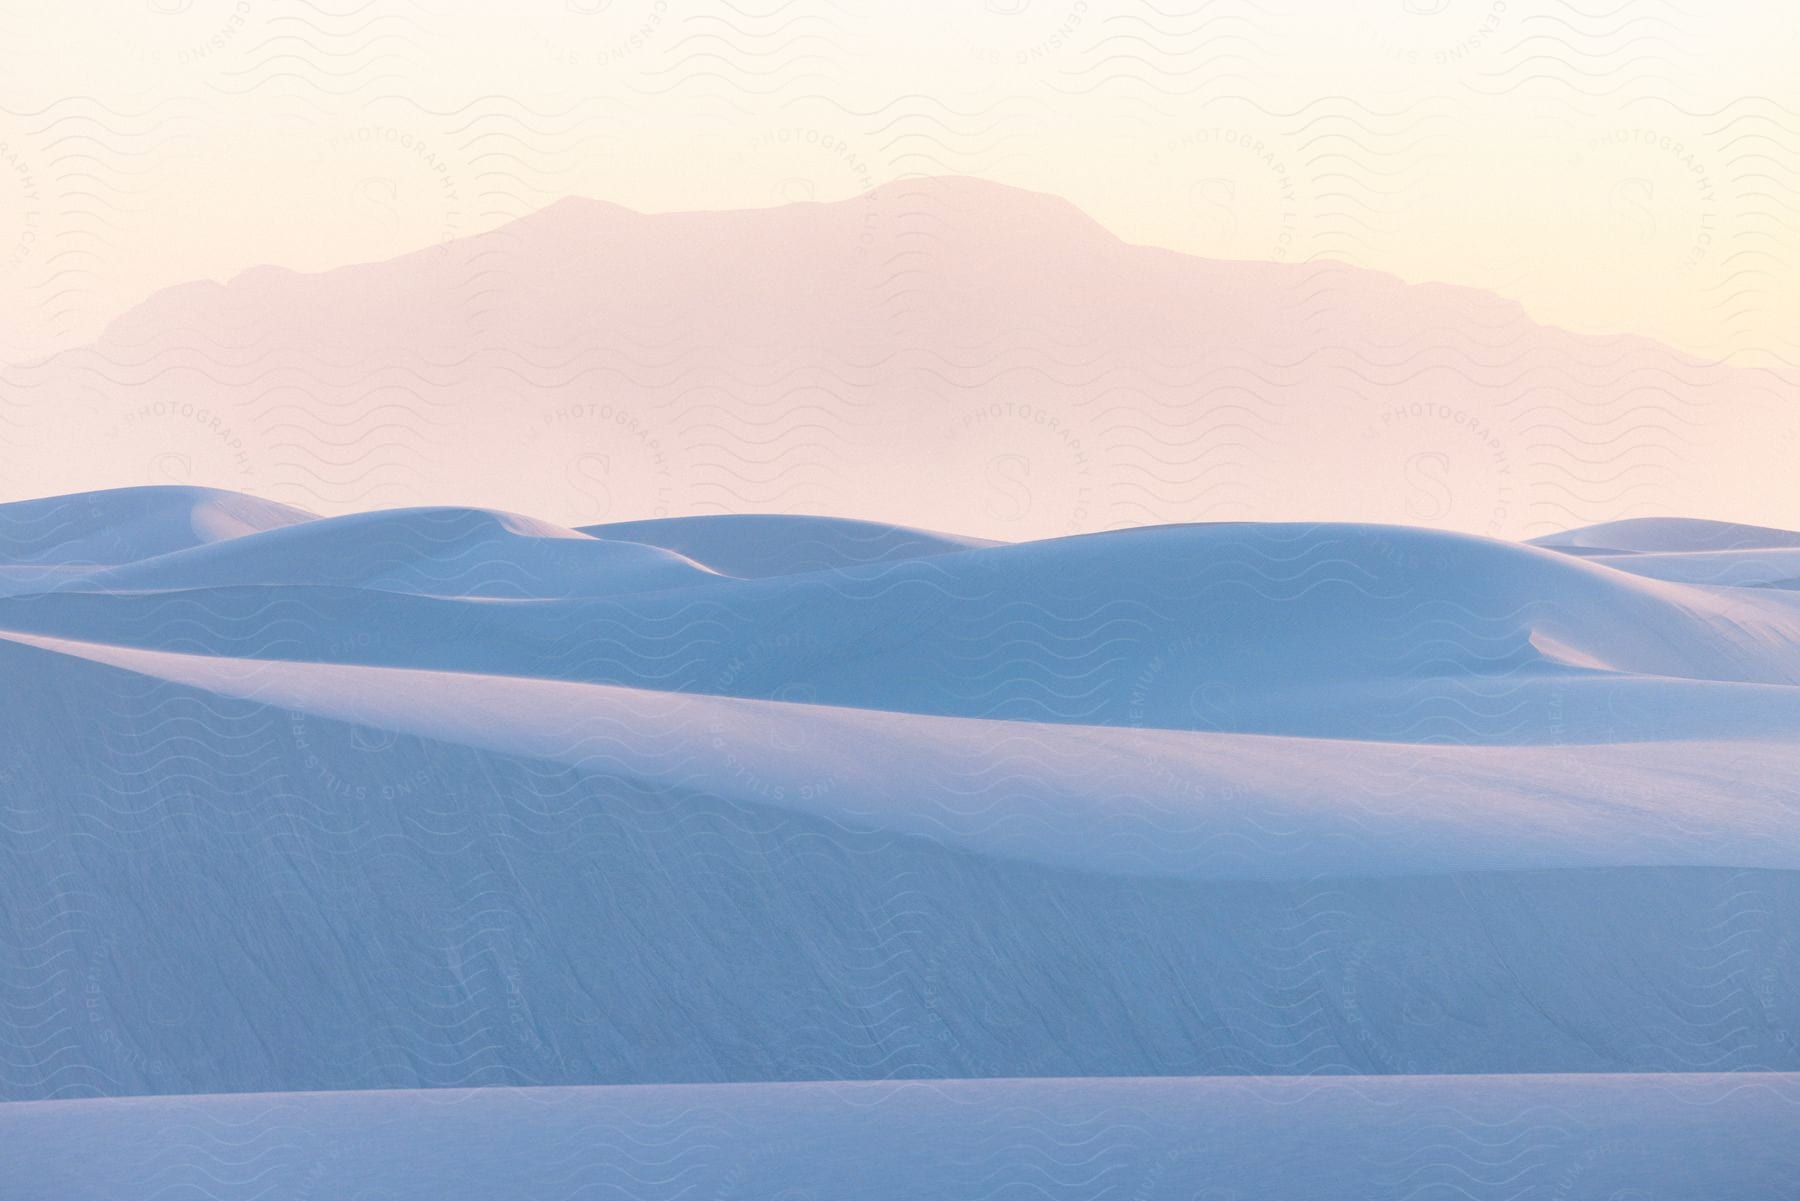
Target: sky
1614	168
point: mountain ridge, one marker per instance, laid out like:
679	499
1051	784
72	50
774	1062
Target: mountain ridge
589	364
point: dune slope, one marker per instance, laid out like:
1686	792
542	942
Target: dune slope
580	885
440	798
1363	632
1721	1137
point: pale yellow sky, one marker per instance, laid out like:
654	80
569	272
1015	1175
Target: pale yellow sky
1614	167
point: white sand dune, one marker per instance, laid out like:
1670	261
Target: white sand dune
1679	535
754	545
124	525
1187	804
62	539
1725	1138
465	553
445	797
1340	631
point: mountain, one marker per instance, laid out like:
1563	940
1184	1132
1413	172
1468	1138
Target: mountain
944	353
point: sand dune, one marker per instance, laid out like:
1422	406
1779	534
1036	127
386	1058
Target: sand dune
754	545
124	525
1725	1138
1339	631
433	552
1679	535
436	798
